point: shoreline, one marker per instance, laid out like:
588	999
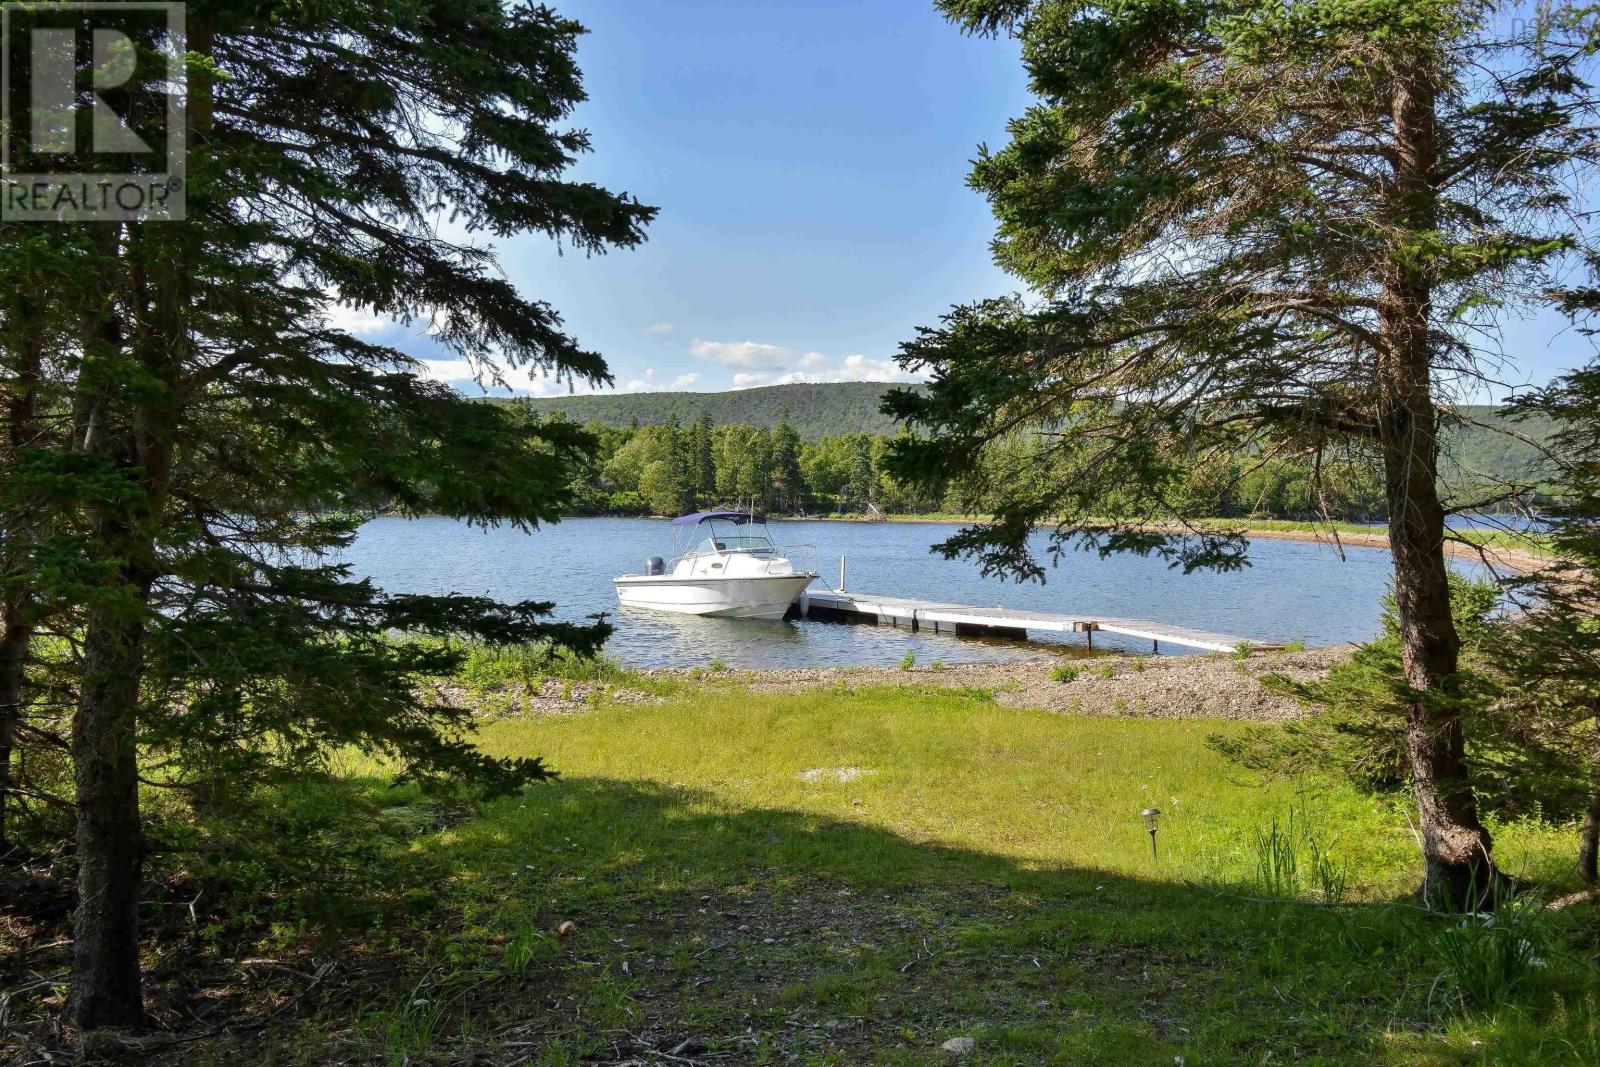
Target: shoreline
1114	685
1501	557
1520	560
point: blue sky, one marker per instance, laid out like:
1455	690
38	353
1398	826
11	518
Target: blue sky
809	159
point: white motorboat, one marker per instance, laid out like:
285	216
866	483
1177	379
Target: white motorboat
733	571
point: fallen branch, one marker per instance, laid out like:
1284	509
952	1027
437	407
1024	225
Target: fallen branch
1580	897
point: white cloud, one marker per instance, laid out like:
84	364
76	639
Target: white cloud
751	354
544	385
764	364
523	381
358	322
527	382
454	371
858	368
660	328
853	368
744	380
755	364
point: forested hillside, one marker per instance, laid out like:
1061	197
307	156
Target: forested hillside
814	410
1492	447
1489	448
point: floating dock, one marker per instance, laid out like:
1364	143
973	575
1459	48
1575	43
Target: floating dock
1004	622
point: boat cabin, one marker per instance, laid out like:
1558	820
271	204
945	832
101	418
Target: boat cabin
724	531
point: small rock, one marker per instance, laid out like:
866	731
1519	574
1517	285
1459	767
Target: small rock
960	1046
834	774
567	929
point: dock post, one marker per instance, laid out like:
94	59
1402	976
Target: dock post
841	573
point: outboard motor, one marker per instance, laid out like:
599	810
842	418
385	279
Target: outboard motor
655	565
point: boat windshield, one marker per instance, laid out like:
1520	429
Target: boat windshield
731	543
742	536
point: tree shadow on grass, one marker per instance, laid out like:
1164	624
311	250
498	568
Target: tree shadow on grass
758	934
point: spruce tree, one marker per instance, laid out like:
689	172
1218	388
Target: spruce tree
788	481
222	436
1259	228
45	273
702	461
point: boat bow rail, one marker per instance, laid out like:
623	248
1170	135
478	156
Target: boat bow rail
802	558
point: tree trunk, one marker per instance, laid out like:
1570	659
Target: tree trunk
14	639
20	621
1589	838
105	962
1458	869
105	967
105	977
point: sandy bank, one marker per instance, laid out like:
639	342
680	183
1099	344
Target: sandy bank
1499	557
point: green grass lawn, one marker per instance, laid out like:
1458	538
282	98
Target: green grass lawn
839	878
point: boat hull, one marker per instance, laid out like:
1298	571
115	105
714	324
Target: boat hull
766	597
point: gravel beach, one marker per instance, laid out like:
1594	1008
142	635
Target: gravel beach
1150	687
1154	687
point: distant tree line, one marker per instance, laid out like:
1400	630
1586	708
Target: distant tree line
1479	446
672	469
675	468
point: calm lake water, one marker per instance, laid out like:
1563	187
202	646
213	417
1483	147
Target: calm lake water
1293	589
